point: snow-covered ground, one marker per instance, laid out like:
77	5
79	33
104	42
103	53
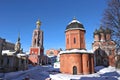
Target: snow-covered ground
109	73
43	72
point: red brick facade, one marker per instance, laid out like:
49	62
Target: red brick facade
75	39
34	50
104	48
37	49
52	52
76	60
84	63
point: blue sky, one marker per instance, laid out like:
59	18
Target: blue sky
21	16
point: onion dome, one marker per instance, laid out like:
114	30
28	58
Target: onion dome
96	32
108	31
101	30
74	24
38	24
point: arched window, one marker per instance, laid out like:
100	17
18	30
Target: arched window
7	61
110	52
87	63
74	40
38	42
35	33
67	41
2	61
22	61
35	41
81	39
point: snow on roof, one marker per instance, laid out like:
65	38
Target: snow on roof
12	52
20	55
75	20
27	53
75	51
8	52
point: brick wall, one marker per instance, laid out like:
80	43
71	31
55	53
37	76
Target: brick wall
83	62
75	39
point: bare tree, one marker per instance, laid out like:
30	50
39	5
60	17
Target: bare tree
111	19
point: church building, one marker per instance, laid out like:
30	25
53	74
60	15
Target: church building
13	59
104	47
75	59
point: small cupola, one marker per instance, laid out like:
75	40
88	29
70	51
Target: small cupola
96	32
101	30
108	31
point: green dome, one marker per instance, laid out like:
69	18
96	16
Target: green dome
74	24
101	30
108	30
96	32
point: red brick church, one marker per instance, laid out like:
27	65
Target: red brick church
104	48
75	59
37	49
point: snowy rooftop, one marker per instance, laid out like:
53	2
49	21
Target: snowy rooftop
12	52
75	24
75	51
8	52
75	20
20	55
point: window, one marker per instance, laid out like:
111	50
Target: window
87	63
2	61
35	33
7	61
74	40
67	41
81	40
22	61
35	41
110	52
38	42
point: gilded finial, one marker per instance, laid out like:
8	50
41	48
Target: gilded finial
38	24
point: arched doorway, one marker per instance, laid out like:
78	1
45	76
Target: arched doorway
74	70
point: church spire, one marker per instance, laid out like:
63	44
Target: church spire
18	37
38	24
18	44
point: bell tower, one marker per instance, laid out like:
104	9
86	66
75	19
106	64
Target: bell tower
37	39
37	48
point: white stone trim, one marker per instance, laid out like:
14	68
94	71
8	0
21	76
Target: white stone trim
74	29
76	51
